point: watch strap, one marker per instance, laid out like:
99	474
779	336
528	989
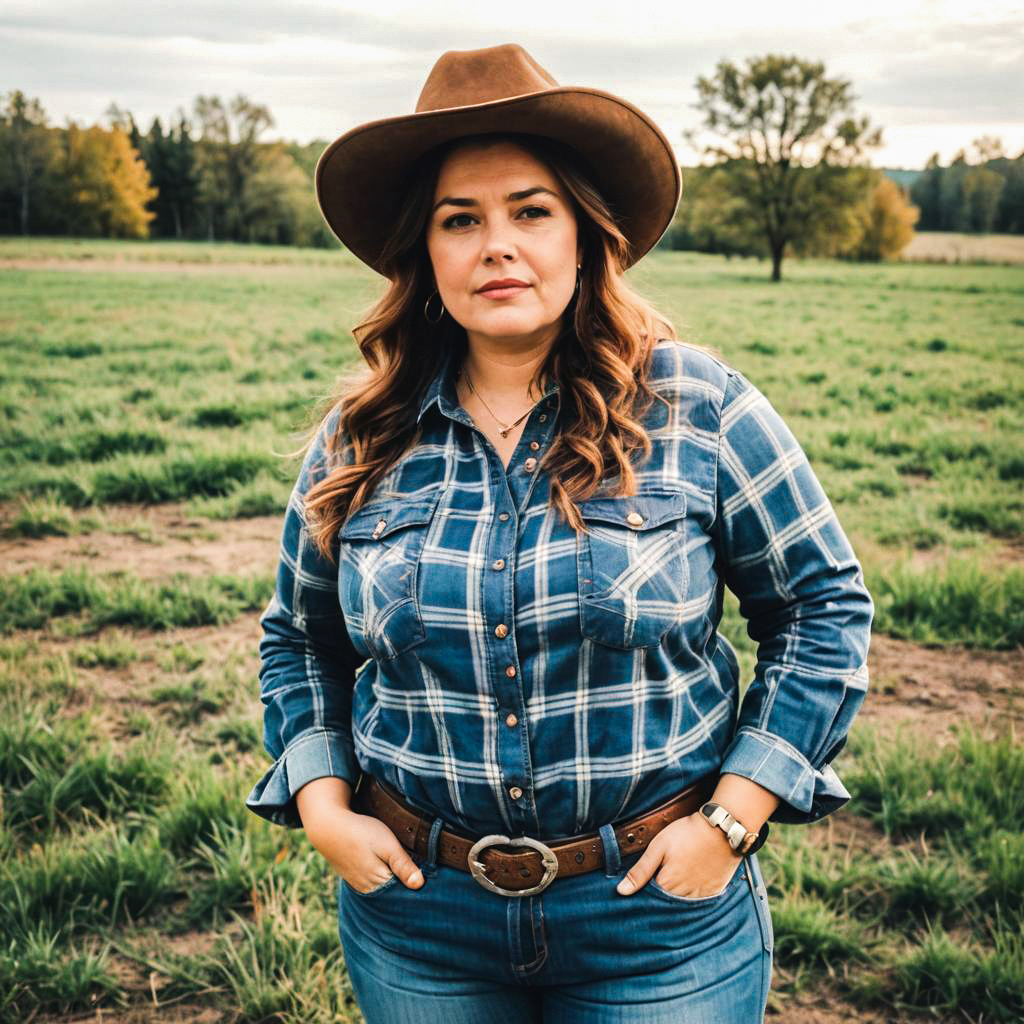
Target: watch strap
741	841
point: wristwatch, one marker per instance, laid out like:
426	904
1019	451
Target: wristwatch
742	841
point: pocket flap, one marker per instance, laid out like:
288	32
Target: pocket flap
378	519
645	511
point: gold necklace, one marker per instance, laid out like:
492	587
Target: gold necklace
504	427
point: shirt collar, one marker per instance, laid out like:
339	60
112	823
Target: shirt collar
441	390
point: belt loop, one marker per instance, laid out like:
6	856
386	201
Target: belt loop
429	866
612	858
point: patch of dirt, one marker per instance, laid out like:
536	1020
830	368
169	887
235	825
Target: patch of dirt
154	543
110	695
935	688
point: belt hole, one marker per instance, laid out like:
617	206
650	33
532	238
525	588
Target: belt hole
580	857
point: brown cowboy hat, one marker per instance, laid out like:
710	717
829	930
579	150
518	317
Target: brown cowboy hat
361	177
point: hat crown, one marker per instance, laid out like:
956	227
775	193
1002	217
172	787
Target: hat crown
463	78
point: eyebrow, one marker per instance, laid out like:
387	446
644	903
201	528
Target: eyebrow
512	197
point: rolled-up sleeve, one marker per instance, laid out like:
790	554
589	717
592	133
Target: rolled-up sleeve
307	662
782	551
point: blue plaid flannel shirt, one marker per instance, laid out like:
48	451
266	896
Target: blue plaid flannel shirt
510	676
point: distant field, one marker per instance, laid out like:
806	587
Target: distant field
949	247
148	392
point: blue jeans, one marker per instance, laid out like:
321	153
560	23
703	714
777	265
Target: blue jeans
455	953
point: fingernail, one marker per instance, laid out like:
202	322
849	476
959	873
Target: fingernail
417	878
625	887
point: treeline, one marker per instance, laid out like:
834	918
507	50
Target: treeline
981	191
206	176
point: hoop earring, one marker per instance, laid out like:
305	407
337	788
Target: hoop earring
427	316
576	290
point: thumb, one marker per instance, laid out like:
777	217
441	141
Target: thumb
404	866
639	874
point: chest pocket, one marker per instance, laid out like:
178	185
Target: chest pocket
633	573
379	553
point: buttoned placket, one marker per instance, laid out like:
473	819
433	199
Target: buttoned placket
514	486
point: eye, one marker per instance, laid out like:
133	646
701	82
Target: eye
449	222
535	209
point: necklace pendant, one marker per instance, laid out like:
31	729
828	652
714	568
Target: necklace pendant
504	433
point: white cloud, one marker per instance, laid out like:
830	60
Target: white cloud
924	69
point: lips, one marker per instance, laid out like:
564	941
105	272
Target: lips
506	285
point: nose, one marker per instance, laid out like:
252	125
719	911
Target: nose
498	245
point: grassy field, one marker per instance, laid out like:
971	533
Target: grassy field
149	391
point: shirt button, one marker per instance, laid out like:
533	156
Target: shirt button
635	519
510	719
534	446
501	630
510	671
543	416
504	517
530	465
515	792
498	563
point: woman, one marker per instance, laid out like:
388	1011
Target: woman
494	687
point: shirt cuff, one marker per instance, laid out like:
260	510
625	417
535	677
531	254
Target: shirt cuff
807	794
313	755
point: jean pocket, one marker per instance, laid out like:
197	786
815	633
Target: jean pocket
376	891
632	566
696	901
380	547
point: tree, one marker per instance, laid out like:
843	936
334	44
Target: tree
107	184
926	192
710	219
224	164
982	191
886	223
27	148
170	158
785	135
276	192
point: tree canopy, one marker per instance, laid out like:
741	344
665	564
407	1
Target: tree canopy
790	152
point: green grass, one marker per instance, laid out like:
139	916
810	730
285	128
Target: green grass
35	599
127	856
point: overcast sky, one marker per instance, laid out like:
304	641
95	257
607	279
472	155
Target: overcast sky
935	75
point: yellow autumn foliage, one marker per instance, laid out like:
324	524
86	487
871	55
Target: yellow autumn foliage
108	184
885	223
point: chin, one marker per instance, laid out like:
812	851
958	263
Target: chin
507	327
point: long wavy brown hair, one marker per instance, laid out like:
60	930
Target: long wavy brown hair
600	358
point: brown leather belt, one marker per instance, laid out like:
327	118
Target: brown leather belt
538	864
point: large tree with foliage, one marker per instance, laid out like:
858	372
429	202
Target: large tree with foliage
790	148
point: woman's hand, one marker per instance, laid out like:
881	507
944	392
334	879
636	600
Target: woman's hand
360	848
695	861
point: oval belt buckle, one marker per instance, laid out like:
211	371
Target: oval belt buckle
476	868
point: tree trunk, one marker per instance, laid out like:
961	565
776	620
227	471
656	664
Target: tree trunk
777	262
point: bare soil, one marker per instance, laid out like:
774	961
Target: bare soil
155	543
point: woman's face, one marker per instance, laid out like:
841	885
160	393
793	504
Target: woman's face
500	214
